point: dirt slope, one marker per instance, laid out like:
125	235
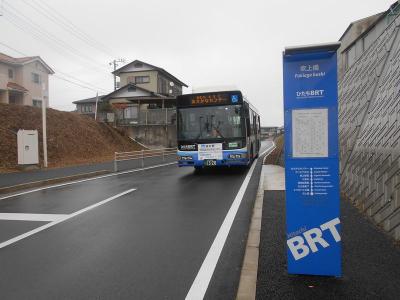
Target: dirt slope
71	138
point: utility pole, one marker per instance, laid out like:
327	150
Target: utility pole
114	63
97	101
44	132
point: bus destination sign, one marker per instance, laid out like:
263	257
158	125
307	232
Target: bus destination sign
211	99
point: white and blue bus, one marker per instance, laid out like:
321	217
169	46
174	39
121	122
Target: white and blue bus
217	129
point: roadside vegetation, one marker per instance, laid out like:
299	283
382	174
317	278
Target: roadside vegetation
72	139
276	157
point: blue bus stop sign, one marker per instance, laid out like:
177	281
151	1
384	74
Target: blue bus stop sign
312	160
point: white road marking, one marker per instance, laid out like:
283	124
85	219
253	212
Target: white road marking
200	284
83	180
202	280
32	217
273	146
48	225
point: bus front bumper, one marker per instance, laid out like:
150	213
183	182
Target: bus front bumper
230	158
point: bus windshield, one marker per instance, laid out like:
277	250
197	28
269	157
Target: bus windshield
212	122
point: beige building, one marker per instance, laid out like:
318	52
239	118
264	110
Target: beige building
144	104
24	80
149	77
147	94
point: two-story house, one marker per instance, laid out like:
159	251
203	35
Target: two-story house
145	102
24	80
149	77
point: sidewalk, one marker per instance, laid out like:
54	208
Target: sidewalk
371	262
10	179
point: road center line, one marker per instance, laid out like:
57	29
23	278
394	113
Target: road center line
202	280
67	217
31	217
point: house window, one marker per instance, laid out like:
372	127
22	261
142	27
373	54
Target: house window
86	108
163	86
37	103
142	79
131	89
138	65
12	99
10	73
36	78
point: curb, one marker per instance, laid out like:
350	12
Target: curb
248	275
22	186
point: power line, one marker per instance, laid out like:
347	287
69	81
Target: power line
82	83
66	26
25	24
67	22
56	47
80	80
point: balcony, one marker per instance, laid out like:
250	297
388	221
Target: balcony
162	116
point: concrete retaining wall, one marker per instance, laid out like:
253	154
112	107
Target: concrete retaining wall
369	131
158	135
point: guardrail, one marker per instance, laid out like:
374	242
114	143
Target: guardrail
142	155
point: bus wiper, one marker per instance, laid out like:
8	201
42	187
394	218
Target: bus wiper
219	132
201	132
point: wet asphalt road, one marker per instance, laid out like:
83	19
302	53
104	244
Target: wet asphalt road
147	244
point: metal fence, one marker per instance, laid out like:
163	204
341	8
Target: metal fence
140	159
161	116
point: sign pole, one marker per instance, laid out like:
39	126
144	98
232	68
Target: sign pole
312	160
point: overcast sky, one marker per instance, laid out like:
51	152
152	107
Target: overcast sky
203	43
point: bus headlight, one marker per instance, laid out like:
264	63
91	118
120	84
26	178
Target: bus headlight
237	156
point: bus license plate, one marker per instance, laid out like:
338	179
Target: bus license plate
210	162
